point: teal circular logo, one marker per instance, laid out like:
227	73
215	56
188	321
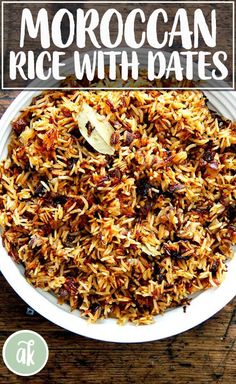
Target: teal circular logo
25	353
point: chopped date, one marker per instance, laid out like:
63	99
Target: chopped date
202	165
209	168
73	273
63	293
223	123
168	195
71	162
115	138
145	189
214	268
19	125
209	156
71	285
143	186
129	137
110	105
83	223
97	213
47	229
158	276
116	173
175	187
173	253
144	303
70	239
209	145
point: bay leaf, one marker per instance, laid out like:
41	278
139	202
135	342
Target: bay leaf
95	129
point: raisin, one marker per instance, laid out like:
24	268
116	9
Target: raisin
40	191
142	212
143	186
208	156
94	307
214	268
42	260
59	199
129	137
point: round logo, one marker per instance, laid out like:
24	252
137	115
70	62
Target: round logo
25	353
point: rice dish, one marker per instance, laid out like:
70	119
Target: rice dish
128	234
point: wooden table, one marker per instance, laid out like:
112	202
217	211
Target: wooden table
204	355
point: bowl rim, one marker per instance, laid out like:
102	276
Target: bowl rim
172	322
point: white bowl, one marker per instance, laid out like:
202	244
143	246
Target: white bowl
174	321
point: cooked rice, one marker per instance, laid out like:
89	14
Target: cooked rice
125	236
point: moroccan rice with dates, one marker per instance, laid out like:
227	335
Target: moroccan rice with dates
126	235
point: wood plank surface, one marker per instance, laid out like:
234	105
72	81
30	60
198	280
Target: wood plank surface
204	355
